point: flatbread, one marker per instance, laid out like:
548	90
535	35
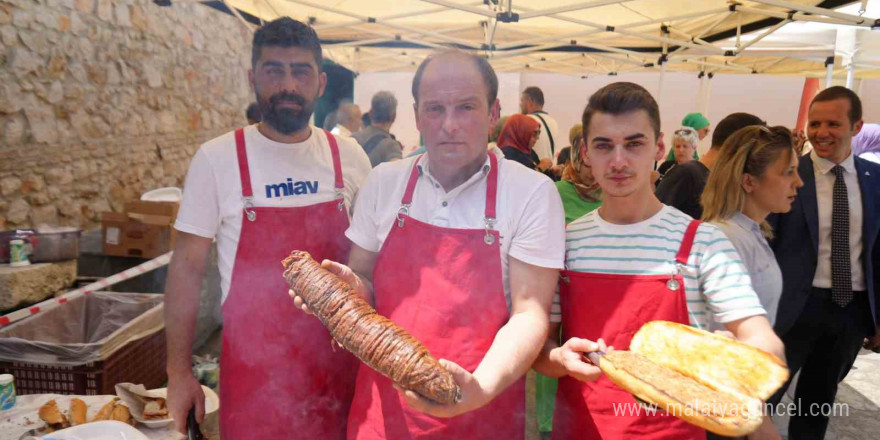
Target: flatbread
707	380
682	396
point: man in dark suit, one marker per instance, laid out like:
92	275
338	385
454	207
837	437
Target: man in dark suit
828	250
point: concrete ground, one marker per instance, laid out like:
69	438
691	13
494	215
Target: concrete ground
858	396
858	399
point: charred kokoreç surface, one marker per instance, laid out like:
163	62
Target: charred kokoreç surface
373	338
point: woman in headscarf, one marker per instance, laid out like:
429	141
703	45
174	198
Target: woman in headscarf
579	191
517	140
684	147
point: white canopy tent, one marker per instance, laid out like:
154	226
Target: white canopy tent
781	37
758	51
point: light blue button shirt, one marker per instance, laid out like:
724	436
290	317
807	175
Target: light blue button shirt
758	258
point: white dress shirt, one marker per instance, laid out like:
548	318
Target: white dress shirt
824	191
529	214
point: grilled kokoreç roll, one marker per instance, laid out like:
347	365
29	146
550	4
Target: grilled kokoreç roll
373	338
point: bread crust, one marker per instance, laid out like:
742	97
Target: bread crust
720	362
707	380
682	396
78	411
121	413
105	411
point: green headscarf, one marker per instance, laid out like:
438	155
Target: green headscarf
693	120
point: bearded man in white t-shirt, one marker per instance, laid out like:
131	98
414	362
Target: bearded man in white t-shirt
461	248
263	191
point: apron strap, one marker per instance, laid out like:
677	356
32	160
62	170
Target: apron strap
687	242
411	184
243	170
337	163
492	187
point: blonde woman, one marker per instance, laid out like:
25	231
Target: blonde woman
755	176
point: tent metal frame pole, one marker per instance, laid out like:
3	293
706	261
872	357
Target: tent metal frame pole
800	16
708	94
563	62
387	17
850	75
460	7
637	55
609	28
525	51
598	31
383	37
711	28
739	29
621	60
371	20
545	39
829	76
711	64
688	36
569	8
765	34
854	19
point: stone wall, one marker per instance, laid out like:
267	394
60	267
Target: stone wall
101	100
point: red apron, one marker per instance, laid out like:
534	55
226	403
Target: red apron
279	374
444	286
613	307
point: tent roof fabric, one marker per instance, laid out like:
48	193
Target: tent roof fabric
597	37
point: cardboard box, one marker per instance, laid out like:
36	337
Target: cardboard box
144	230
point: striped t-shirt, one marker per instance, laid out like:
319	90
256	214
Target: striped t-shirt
717	285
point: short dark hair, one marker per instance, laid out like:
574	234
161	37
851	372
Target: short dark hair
840	92
482	64
286	32
729	125
535	94
383	107
619	98
253	112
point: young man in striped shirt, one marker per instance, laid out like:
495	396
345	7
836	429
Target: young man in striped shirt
636	260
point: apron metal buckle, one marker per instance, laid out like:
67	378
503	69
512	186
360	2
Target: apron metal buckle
248	211
404	210
673	284
341	197
490	223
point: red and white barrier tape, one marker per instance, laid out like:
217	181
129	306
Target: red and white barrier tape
140	269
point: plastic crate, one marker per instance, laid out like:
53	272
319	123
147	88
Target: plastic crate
139	361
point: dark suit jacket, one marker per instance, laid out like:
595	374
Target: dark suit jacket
796	242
